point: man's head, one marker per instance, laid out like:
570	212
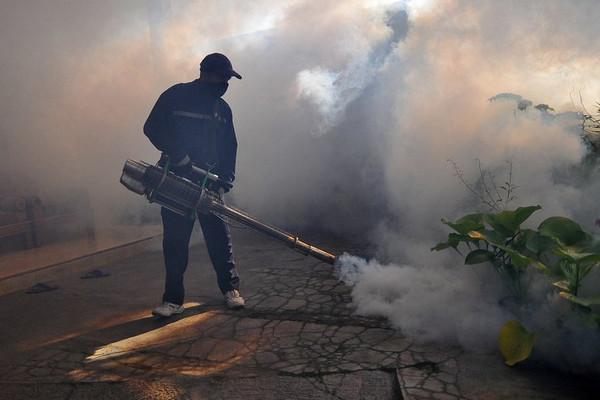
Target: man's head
216	67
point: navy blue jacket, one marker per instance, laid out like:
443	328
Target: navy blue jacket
188	119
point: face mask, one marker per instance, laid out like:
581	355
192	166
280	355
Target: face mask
218	89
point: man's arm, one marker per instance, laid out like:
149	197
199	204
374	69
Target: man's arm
228	151
159	129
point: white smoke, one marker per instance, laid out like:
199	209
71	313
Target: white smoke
427	302
346	116
455	56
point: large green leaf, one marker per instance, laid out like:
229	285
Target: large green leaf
508	222
519	260
574	267
584	301
454	239
568	271
492	237
466	224
567	232
521	214
479	256
515	342
493	221
539	243
576	257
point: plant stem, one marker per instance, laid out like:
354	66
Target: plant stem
576	288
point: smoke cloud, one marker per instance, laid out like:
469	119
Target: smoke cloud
347	115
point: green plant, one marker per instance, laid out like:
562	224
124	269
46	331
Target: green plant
495	238
558	248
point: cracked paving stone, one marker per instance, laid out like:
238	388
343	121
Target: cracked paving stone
296	304
202	348
181	349
272	302
226	350
266	358
365	356
433	385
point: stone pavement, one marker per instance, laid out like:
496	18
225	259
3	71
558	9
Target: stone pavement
297	338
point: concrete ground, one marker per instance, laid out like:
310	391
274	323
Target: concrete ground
297	338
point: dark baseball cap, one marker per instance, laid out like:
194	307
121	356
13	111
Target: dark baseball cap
218	63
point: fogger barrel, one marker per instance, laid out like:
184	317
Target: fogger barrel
187	198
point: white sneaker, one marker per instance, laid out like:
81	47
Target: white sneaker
234	300
167	309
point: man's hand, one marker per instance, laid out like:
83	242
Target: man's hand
219	186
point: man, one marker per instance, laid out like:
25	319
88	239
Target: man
192	125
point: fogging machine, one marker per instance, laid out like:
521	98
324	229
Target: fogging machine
186	198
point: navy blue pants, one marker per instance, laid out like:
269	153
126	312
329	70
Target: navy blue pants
177	231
